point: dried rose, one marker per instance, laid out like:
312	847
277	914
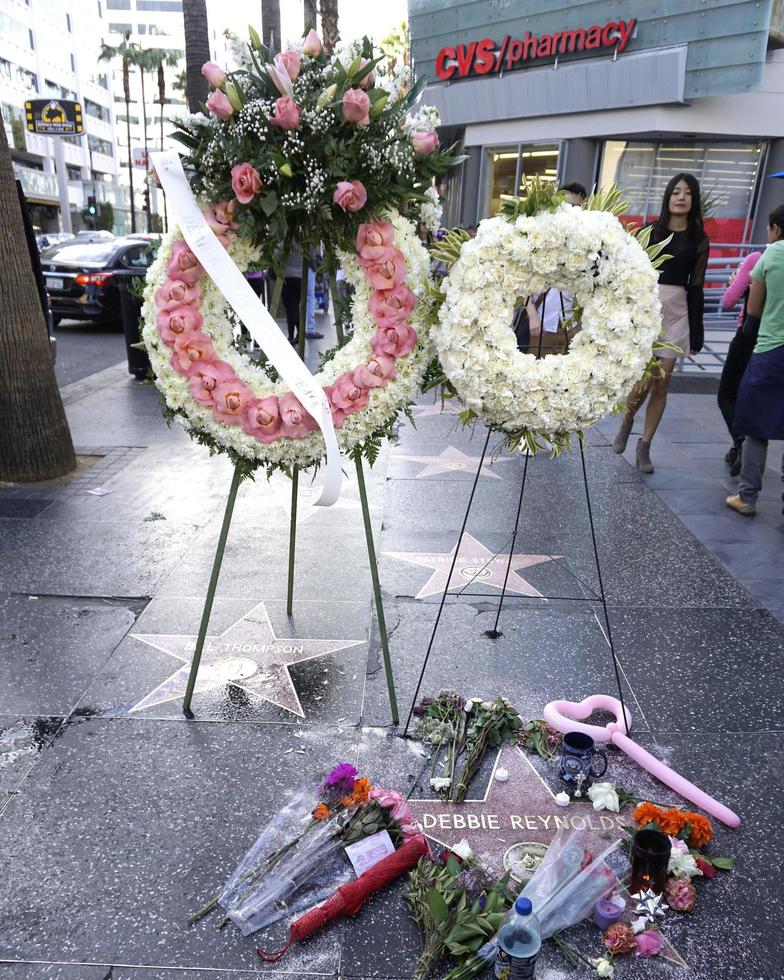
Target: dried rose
620	939
681	894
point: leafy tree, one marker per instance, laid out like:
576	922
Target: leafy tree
105	219
35	442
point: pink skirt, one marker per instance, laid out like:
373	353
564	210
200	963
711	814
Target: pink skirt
675	322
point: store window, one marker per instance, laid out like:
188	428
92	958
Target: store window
96	110
727	172
100	146
507	167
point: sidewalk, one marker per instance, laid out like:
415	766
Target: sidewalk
118	818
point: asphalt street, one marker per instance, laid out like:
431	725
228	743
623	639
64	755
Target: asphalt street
86	348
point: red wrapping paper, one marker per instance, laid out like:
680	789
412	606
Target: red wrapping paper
349	899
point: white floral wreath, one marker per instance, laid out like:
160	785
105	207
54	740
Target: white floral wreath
586	253
221	395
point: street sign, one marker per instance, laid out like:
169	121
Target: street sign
54	117
139	157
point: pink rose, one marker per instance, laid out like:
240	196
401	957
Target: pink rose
424	143
175	292
394	341
214	74
312	46
280	77
230	400
369	78
183	264
205	378
189	349
218	102
392	306
387	272
356	105
295	422
173	323
376	372
338	415
245	182
291	62
224	213
350	195
262	419
347	395
286	114
649	943
373	240
393	801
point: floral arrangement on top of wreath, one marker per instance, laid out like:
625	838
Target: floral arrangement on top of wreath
534	244
300	149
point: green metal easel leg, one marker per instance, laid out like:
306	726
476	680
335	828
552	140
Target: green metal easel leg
382	626
205	616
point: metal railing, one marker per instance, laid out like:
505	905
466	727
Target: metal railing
720	324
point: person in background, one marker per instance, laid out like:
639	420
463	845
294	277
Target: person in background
759	411
575	193
681	282
738	354
292	290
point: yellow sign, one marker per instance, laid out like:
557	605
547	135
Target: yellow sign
54	117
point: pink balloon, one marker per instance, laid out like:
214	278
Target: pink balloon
562	714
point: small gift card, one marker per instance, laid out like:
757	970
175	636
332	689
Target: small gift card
369	851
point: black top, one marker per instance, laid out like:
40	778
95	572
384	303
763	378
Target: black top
686	267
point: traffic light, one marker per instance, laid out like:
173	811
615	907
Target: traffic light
91	208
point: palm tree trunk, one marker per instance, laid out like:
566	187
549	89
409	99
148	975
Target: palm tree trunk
35	442
162	100
270	23
197	51
310	14
329	25
127	94
146	154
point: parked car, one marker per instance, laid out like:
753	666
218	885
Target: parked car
46	239
81	277
94	235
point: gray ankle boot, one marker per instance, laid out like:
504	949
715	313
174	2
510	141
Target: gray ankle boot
619	442
644	464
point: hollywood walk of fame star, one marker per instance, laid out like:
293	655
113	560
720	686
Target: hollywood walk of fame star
306	500
248	655
448	408
450	460
510	817
475	564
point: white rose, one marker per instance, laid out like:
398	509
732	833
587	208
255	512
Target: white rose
604	797
463	850
603	967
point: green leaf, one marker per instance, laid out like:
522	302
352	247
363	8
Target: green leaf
437	905
723	864
190	141
269	202
452	865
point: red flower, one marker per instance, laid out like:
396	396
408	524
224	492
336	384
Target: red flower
706	868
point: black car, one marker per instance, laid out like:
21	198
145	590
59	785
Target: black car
81	277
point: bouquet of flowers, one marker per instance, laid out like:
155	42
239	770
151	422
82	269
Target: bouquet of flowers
467	728
456	906
299	858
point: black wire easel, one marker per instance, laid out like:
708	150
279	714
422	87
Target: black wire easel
494	633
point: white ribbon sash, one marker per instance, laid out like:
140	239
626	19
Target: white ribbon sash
246	304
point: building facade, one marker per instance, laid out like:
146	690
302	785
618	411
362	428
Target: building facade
49	49
630	92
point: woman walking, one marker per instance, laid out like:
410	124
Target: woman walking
681	281
759	412
742	344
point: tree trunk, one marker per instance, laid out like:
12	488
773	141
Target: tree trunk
197	51
329	25
162	100
35	442
127	94
310	15
270	23
146	155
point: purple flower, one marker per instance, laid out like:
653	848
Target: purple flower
341	779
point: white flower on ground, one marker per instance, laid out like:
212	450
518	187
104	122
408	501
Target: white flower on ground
440	782
682	864
603	967
463	850
604	796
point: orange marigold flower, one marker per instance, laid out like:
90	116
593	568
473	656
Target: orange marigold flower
701	832
360	794
321	812
672	821
647	813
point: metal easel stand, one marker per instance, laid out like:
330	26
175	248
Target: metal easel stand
495	633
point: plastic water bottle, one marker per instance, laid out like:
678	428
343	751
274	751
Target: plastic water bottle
519	942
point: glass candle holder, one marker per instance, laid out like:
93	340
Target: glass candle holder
649	858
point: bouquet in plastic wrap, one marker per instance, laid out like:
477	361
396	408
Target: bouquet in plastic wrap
564	890
299	860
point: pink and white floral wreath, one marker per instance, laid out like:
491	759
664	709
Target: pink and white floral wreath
219	392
